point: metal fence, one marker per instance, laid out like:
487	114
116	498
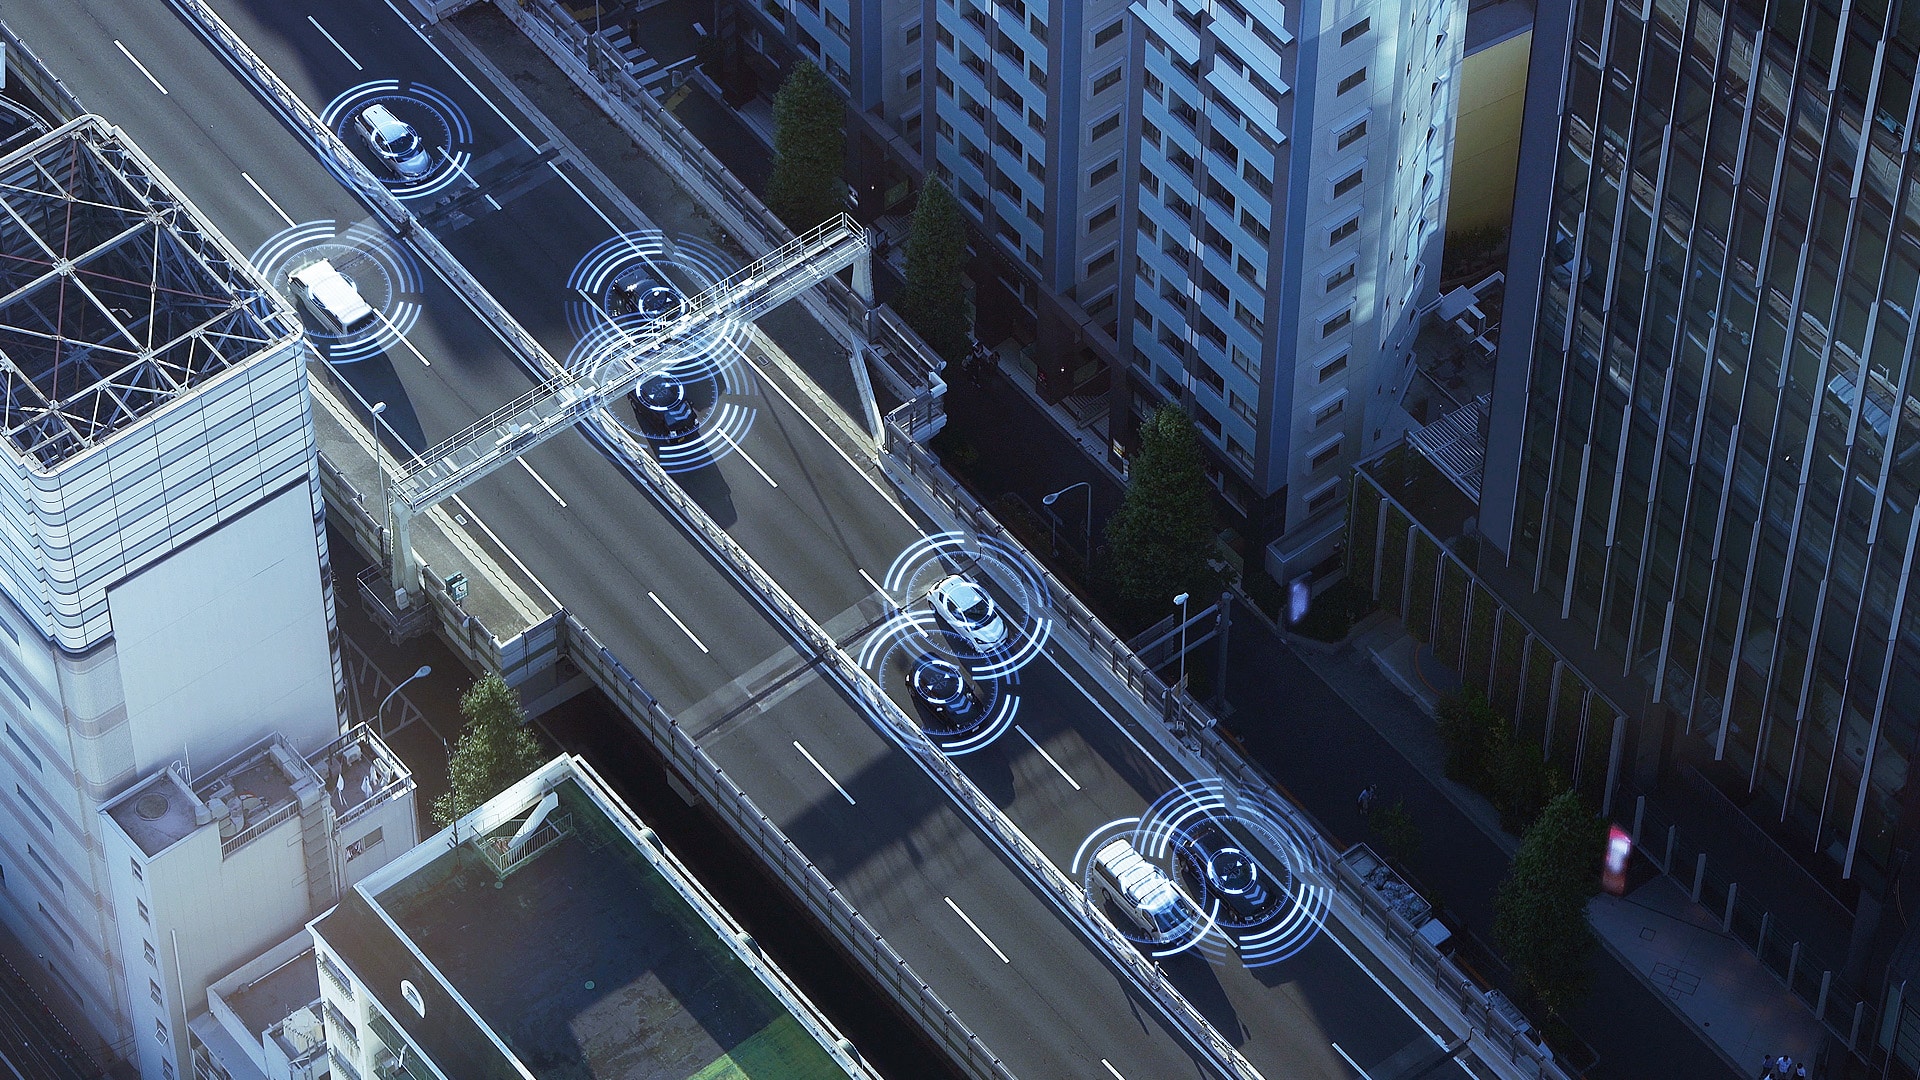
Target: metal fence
1194	728
1445	605
1845	1013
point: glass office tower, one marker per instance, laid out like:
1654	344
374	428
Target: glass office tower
1706	449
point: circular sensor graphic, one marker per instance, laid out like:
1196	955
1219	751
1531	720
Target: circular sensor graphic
412	136
357	290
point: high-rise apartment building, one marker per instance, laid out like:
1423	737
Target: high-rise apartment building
1288	169
164	595
1705	451
1236	205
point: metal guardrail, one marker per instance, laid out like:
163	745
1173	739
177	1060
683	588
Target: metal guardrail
779	854
1194	727
1116	948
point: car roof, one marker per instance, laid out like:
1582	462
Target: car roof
330	287
959	586
381	117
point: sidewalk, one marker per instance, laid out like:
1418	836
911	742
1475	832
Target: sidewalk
1656	931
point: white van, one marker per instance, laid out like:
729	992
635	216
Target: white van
331	298
1143	892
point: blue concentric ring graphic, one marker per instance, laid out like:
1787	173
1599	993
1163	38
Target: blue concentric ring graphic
1186	831
442	125
385	273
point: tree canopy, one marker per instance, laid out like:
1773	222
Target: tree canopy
1161	538
1540	914
934	301
809	150
495	749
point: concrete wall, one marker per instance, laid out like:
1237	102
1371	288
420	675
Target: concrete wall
1493	91
226	640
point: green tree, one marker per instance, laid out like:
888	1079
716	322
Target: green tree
1160	539
495	749
1398	833
1540	915
934	300
809	150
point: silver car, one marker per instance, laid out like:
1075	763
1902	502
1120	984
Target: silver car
969	612
394	142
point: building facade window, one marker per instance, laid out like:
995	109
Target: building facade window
1351	81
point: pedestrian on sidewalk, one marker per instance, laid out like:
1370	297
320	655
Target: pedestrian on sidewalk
1800	1071
1365	801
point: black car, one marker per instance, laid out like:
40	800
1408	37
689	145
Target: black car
1216	867
660	404
637	290
945	693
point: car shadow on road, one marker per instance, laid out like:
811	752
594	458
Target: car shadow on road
1193	975
709	487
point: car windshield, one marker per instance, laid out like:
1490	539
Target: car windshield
977	612
405	143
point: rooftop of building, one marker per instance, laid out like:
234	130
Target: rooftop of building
593	957
359	772
257	788
116	296
269	1000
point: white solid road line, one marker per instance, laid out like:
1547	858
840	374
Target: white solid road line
1349	1060
1118	726
808	417
141	66
455	68
836	786
542	481
662	605
402	338
872	584
336	43
1111	1069
263	194
497	542
744	456
1049	757
976	929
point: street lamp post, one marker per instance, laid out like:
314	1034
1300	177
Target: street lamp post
374	721
1049	500
1182	601
380	466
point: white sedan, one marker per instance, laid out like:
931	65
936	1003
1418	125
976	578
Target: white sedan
969	612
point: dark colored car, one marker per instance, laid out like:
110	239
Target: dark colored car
660	404
1215	866
945	692
637	290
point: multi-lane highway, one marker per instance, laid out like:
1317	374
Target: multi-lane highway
540	232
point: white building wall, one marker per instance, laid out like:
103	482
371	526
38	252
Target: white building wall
1278	245
232	628
189	914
